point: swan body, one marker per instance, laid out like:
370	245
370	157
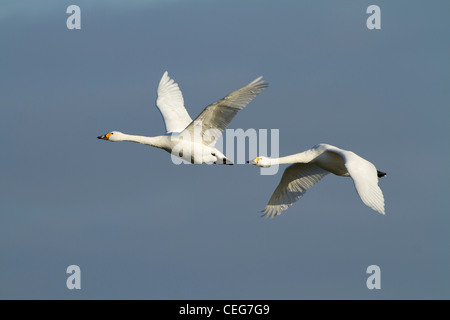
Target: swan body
310	166
193	140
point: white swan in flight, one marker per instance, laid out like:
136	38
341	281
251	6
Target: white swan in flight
312	165
190	140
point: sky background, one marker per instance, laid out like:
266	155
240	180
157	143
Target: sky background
140	227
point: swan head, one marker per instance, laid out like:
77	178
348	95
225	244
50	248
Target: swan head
261	161
112	136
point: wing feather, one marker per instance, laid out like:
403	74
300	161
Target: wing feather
365	178
170	103
296	179
216	117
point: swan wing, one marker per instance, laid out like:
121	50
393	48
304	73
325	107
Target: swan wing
365	179
296	179
171	105
217	116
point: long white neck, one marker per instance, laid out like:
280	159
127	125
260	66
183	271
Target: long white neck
302	157
158	141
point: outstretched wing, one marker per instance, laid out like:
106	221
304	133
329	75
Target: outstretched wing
296	179
217	116
365	179
171	105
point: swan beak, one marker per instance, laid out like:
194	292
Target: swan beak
247	161
104	137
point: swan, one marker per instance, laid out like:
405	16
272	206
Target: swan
192	140
312	165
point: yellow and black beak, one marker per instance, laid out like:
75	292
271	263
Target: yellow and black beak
254	161
104	137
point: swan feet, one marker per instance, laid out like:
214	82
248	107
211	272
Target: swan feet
224	160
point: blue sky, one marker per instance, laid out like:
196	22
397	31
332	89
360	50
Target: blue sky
139	226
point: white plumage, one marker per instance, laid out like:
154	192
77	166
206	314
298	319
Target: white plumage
190	140
312	165
170	103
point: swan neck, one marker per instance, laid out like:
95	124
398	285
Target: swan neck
302	157
151	141
286	159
